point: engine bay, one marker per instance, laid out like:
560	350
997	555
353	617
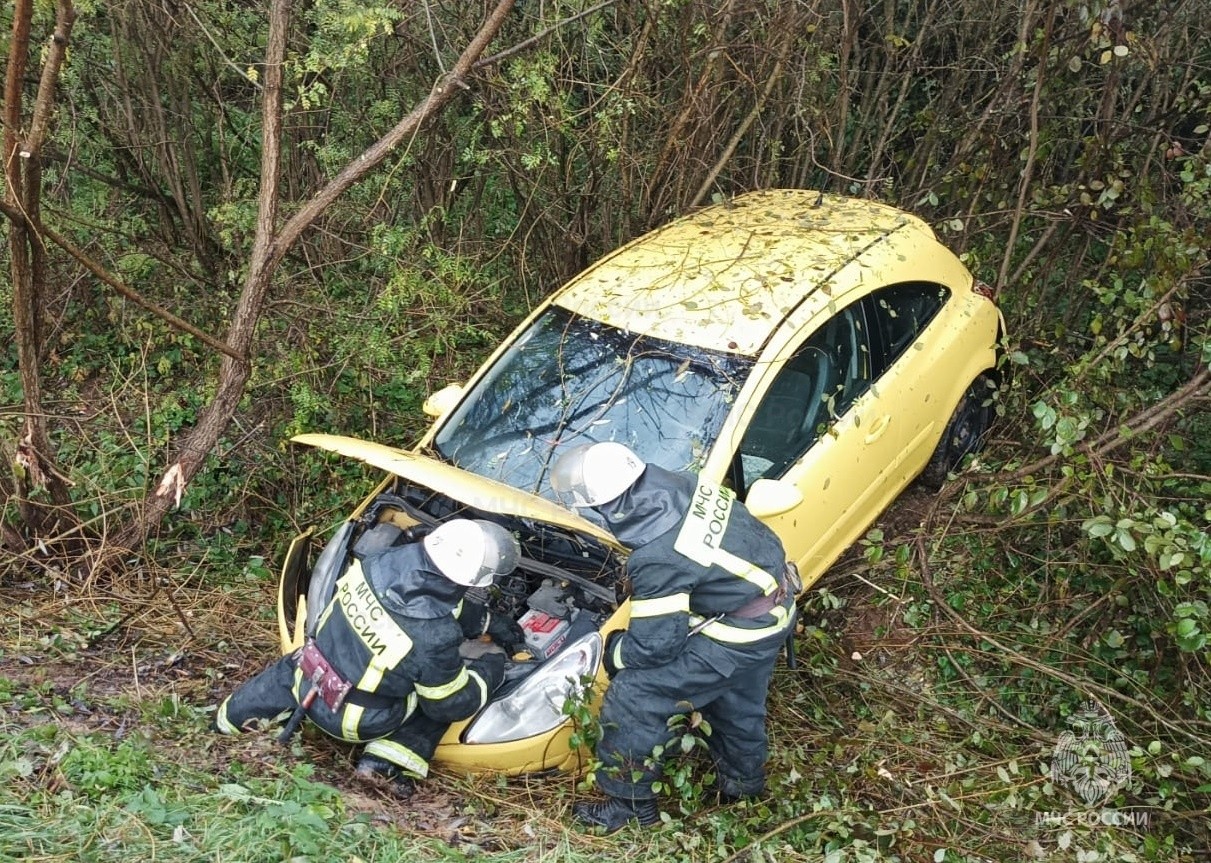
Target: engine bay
564	586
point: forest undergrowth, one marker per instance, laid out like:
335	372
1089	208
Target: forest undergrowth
1054	597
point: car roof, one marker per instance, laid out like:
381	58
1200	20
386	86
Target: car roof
727	276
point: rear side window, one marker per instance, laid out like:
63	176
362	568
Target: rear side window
899	313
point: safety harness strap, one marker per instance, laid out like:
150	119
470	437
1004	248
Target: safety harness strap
788	585
773	604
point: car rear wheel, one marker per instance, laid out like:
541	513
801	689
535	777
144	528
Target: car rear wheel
964	433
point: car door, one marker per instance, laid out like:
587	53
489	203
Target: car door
820	427
908	356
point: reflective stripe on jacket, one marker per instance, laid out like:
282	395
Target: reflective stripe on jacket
698	555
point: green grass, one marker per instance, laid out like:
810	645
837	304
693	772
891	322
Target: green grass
868	764
75	795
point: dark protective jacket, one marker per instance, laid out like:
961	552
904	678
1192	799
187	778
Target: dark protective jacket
709	615
393	629
698	554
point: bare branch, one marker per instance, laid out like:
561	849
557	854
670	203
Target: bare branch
1142	421
538	37
441	93
747	123
437	54
219	48
43	107
1032	153
130	293
269	247
18	51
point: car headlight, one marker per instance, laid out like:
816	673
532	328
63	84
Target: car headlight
536	706
328	568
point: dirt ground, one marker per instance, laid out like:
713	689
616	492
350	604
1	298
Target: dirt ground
108	686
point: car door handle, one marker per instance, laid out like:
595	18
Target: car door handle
878	428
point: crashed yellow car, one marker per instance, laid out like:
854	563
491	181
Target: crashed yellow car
814	353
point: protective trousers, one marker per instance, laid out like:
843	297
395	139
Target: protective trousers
407	741
727	684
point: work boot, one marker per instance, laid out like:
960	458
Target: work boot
727	799
613	813
733	791
380	771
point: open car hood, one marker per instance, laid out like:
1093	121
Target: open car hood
463	486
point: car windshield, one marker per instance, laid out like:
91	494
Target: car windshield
569	380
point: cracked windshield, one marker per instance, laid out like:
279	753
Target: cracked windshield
569	380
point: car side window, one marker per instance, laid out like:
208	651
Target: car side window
899	313
827	373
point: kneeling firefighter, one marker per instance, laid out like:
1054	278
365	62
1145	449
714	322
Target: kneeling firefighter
397	655
712	602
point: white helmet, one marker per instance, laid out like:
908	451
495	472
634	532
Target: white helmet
595	473
472	552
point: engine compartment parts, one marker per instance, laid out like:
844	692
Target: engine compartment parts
544	634
553	598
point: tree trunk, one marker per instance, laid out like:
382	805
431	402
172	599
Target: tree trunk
32	457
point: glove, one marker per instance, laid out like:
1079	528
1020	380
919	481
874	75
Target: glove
477	648
608	659
486	659
505	632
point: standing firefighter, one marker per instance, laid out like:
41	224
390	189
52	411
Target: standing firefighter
712	600
397	655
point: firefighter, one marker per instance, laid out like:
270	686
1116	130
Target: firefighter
712	602
397	655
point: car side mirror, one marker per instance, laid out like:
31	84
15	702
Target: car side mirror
770	497
443	401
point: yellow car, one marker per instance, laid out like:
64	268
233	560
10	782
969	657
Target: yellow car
814	353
